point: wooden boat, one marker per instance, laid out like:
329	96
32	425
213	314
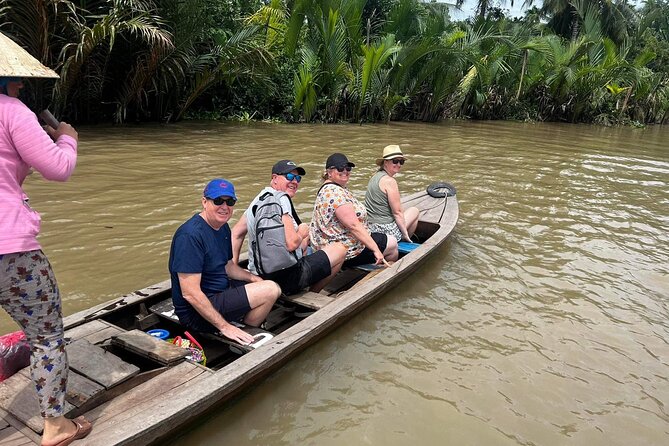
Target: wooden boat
137	389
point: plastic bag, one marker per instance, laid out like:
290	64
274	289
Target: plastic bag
14	354
196	350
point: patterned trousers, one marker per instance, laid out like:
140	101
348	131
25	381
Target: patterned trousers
29	293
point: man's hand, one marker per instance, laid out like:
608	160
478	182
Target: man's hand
303	230
237	334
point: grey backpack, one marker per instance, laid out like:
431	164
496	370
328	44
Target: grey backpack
269	249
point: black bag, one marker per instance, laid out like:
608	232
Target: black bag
270	253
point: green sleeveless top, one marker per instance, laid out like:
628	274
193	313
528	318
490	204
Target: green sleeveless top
376	201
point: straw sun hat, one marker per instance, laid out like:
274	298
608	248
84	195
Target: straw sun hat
17	62
390	152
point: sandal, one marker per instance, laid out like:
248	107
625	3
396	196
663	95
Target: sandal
83	428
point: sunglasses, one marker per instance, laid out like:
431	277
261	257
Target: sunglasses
399	161
342	168
220	200
291	176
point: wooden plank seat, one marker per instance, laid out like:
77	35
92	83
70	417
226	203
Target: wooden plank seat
148	346
95	331
308	299
165	309
98	364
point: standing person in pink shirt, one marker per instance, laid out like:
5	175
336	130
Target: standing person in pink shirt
28	289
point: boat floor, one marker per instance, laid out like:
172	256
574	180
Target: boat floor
112	388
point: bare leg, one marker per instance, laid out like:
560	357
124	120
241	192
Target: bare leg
390	253
262	296
411	220
336	254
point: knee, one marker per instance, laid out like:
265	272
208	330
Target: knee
273	290
391	244
336	252
391	252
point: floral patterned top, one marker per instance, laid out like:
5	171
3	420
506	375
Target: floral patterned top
326	228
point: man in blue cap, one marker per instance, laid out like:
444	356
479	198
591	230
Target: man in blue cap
209	290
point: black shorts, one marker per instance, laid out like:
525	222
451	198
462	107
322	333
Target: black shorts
366	256
307	271
232	304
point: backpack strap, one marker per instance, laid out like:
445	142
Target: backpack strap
263	197
278	196
294	212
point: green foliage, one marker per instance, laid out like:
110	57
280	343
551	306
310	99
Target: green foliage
346	60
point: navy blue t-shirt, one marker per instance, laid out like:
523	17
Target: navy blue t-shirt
199	248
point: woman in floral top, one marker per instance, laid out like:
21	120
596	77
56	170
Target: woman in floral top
339	217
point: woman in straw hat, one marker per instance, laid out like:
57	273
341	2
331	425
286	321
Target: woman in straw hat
382	199
28	289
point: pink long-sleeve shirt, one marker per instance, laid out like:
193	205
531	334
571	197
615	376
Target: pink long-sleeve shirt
24	144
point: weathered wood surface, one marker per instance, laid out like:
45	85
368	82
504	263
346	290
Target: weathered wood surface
22	402
315	301
98	364
18	397
111	418
9	436
95	332
148	346
116	305
81	390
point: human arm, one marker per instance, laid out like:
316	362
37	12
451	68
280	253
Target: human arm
389	186
54	160
238	234
294	238
192	293
345	213
234	271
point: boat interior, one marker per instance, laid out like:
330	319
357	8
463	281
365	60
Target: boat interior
157	312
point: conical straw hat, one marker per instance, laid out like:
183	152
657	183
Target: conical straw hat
17	62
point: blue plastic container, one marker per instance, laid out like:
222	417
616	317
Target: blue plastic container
159	333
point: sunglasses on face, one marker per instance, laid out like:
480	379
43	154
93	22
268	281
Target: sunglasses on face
291	176
399	161
220	200
342	168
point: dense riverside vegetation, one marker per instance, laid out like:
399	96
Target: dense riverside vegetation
596	61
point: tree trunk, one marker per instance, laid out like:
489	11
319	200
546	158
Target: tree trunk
522	74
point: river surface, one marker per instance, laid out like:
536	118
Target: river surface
544	320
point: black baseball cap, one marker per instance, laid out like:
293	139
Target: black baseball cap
284	166
338	160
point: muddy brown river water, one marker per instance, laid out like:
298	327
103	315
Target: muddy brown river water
544	320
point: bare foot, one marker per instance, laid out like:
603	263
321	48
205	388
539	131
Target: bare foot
62	432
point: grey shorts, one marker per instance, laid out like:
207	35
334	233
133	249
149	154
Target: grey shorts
388	229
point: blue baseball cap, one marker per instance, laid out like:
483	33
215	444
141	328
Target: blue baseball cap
219	188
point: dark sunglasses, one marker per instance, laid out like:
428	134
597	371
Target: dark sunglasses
399	161
342	168
291	176
220	200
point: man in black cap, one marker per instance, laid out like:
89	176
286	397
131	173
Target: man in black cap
278	240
